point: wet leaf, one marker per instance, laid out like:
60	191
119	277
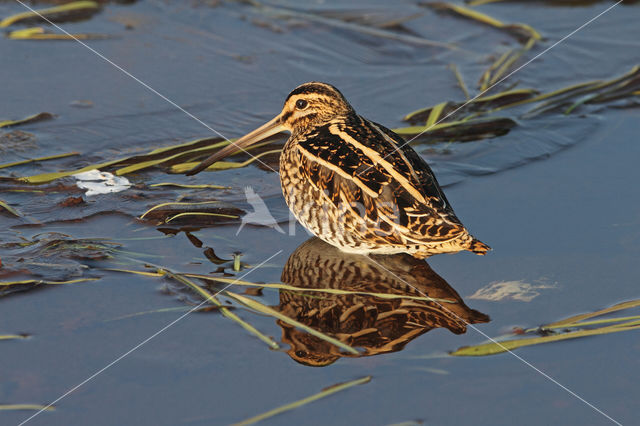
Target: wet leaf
19	407
460	80
266	310
281	12
221	165
67	12
27	120
206	210
39	33
498	70
578	318
224	310
522	32
13	336
279	286
10	209
508	345
154	154
34	281
146	164
200	214
460	130
34	160
577	321
287	407
182	185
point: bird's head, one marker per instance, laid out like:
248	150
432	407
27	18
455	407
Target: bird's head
307	106
312	104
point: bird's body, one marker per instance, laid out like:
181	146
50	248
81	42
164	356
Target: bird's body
357	185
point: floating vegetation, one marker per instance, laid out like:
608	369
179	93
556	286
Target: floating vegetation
291	288
523	32
22	407
247	302
34	160
460	131
224	310
569	328
221	165
438	119
182	185
73	11
158	157
13	336
27	120
498	70
7	207
205	211
37	282
51	259
297	404
460	80
345	21
39	33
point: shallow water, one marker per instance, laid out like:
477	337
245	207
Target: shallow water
555	198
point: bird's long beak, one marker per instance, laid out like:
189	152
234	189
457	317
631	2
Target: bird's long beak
268	129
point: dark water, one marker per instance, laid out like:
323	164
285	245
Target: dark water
569	222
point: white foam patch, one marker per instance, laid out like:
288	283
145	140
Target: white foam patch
97	182
509	290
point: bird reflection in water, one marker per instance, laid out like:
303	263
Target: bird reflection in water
372	324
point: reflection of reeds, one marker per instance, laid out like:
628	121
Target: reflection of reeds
572	328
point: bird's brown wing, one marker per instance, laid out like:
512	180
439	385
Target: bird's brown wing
360	162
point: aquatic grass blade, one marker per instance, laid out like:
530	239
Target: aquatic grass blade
522	32
577	321
177	203
263	309
186	186
493	348
578	318
78	280
34	160
19	407
224	310
27	120
12	336
221	165
7	207
335	291
287	407
39	33
86	8
286	287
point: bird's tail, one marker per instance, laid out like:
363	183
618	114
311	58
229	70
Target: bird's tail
478	247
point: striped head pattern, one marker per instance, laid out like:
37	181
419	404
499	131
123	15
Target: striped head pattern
313	104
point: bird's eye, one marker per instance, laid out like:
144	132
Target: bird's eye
301	104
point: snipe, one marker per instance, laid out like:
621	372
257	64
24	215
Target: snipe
354	183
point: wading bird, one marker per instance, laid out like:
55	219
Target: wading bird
354	183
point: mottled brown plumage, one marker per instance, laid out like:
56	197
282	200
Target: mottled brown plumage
354	183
